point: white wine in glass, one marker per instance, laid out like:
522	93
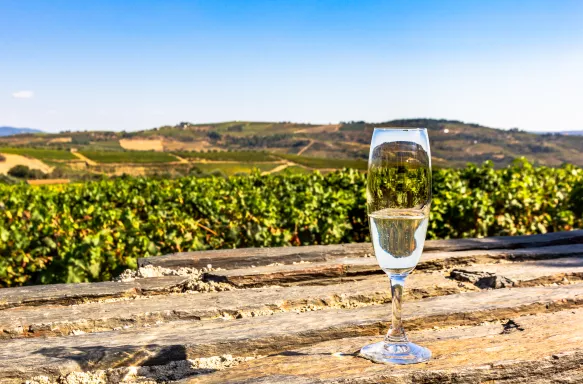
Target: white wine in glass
398	197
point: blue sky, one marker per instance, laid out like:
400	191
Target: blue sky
115	65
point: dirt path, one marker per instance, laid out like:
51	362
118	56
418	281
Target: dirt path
48	181
180	159
85	159
305	148
278	168
320	129
358	145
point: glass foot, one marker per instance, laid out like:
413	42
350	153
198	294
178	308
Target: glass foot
402	353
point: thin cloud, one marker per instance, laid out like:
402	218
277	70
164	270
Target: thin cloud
23	94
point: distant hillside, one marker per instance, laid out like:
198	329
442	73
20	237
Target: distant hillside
566	133
9	131
453	143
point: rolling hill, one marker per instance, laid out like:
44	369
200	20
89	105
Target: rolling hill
238	146
567	133
9	131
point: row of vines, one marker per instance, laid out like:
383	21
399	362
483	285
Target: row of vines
92	231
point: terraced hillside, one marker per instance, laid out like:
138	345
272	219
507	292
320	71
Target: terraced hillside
280	146
87	164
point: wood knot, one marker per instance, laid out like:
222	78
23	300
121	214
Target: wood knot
482	280
511	326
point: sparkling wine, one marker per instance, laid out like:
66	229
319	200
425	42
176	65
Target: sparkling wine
398	236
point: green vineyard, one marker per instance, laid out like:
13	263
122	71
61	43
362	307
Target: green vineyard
94	230
128	157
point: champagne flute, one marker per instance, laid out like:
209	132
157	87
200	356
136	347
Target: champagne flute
398	198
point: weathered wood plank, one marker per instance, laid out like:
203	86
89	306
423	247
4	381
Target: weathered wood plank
532	273
106	316
284	274
270	334
540	352
316	295
248	257
85	292
506	242
288	274
294	273
441	260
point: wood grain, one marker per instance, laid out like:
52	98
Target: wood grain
540	353
20	358
537	272
309	309
248	257
85	292
268	275
294	273
58	320
342	292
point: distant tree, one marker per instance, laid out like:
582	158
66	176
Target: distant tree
217	173
8	180
214	135
24	172
195	171
235	128
82	139
300	143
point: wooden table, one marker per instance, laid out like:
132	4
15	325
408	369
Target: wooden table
506	310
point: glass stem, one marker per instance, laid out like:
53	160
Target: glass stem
396	332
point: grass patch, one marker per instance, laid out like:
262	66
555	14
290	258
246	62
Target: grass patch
242	156
325	163
128	157
294	170
54	163
353	127
41	154
230	169
112	145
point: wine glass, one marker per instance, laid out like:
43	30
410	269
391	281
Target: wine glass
398	195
